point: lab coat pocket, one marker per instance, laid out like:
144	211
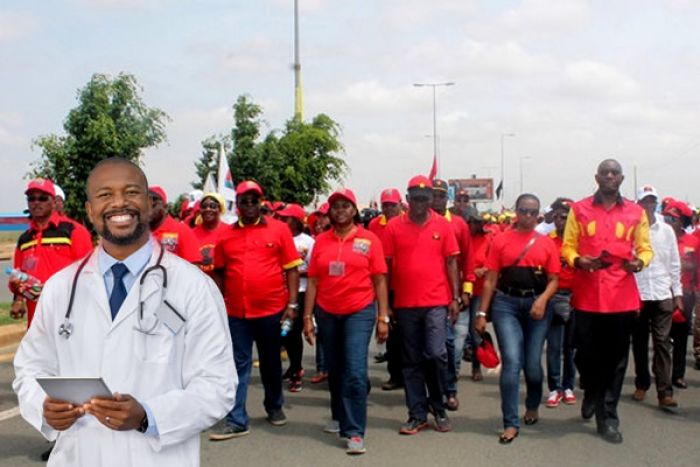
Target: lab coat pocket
158	345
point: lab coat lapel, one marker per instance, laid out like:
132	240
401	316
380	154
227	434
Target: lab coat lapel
95	283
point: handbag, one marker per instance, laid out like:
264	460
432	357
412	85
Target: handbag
523	277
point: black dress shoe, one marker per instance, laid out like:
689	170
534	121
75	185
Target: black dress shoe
587	409
610	434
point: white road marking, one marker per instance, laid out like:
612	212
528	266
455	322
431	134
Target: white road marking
7	414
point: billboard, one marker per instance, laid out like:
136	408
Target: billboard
479	189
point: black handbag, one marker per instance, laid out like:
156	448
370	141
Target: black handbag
523	278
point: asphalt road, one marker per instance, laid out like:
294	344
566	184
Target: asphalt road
652	437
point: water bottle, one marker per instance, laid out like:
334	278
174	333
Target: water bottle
29	285
286	327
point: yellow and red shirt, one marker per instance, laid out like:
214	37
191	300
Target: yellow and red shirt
566	275
622	231
464	240
206	242
418	253
378	225
343	268
177	238
254	258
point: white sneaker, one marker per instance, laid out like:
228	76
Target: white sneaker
332	427
569	397
553	399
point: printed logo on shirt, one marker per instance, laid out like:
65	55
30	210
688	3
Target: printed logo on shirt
361	245
436	235
169	241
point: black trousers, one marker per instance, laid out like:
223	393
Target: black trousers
602	350
679	336
293	341
393	349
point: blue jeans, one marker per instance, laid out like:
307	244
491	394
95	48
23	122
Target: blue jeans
266	334
520	340
345	347
320	358
463	329
560	343
424	358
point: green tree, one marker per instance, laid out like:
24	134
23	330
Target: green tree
296	164
209	161
110	120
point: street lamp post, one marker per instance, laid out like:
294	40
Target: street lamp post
435	136
522	158
503	166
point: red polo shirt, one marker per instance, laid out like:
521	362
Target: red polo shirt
42	252
378	225
689	249
509	245
361	256
464	240
418	253
206	241
177	238
254	258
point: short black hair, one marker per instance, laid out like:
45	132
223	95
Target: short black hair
115	161
525	196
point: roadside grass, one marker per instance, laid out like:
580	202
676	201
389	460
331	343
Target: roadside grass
5	317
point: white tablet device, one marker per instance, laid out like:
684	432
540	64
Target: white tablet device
75	390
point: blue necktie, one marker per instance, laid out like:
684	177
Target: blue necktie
119	289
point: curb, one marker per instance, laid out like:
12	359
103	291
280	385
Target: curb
12	333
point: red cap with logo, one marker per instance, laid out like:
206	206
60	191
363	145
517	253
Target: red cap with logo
344	193
420	181
160	192
248	185
292	210
390	195
41	184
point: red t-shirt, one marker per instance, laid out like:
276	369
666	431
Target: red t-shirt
177	238
509	245
206	241
344	270
566	275
42	252
689	249
254	258
480	248
418	252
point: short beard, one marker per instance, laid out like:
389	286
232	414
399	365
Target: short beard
127	240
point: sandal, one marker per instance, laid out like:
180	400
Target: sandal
477	376
506	437
531	417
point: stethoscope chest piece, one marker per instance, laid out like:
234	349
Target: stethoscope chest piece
65	329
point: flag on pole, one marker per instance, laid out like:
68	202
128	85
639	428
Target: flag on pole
433	169
225	185
209	184
499	190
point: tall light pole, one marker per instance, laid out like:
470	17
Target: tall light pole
522	158
435	137
298	94
503	166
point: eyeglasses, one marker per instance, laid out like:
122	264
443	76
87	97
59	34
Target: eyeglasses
214	206
41	198
527	212
248	201
420	198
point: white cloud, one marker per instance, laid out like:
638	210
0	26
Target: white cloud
124	4
546	16
588	78
16	25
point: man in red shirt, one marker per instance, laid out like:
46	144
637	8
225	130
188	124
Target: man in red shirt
422	253
256	266
464	239
390	200
606	240
174	236
51	243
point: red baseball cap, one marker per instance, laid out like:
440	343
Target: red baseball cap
248	185
420	181
41	184
390	195
344	193
486	352
323	209
160	192
677	208
292	210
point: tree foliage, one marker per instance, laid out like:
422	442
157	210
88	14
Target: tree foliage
110	120
296	164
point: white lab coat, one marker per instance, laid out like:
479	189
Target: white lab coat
188	380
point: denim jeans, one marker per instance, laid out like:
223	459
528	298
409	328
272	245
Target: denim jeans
266	334
320	357
345	346
560	344
520	340
463	329
424	357
452	373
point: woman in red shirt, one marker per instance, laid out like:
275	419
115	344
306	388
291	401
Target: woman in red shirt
522	269
207	231
347	286
679	216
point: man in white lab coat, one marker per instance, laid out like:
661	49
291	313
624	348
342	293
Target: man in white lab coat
164	351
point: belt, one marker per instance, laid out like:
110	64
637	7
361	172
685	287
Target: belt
517	292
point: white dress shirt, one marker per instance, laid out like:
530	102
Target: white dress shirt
661	280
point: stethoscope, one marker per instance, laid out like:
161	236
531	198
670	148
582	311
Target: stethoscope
66	329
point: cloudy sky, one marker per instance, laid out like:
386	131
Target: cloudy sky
574	81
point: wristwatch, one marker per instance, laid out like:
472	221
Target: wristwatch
143	426
384	319
458	300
